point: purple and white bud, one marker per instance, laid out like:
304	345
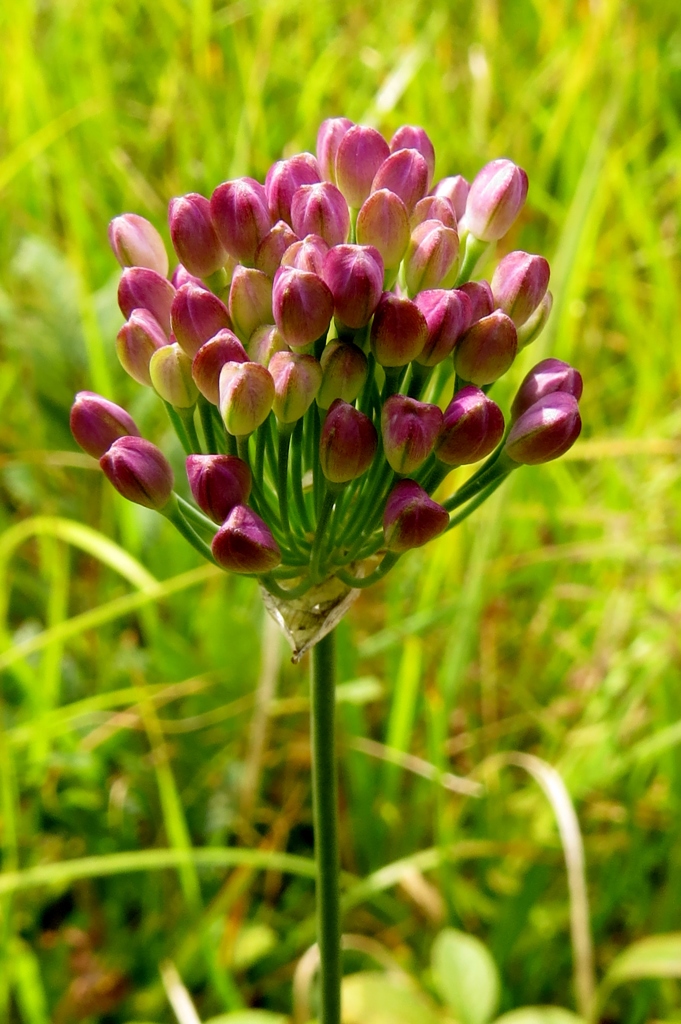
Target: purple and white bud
348	443
434	208
140	288
519	284
545	431
136	343
246	397
432	257
264	342
546	378
197	315
218	483
296	382
480	296
329	137
405	173
250	301
308	254
472	427
284	179
194	237
411	517
410	430
139	471
344	369
96	423
448	314
225	347
536	323
360	154
302	305
181	276
354	275
399	331
486	350
244	543
241	217
454	188
273	246
136	243
383	222
495	199
321	210
411	137
170	370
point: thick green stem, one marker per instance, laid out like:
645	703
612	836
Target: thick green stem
325	808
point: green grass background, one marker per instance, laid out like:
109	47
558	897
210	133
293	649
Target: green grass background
549	622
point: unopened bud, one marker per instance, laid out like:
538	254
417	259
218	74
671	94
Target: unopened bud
472	427
264	342
244	543
519	284
181	276
480	296
273	246
321	210
495	199
546	378
250	301
241	217
140	288
486	350
96	423
348	443
137	243
136	343
448	314
302	305
411	517
218	483
383	222
246	396
432	257
139	471
399	331
455	189
433	208
329	138
197	315
354	274
535	324
308	254
411	137
225	347
545	431
296	383
360	154
344	368
170	370
194	237
405	173
410	430
284	179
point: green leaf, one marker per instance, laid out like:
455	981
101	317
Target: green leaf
370	997
252	943
249	1017
658	956
539	1015
466	976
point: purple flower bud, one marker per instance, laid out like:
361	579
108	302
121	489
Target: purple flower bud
136	343
383	222
519	284
193	235
225	347
472	428
456	190
535	323
241	217
398	332
139	471
264	342
96	423
348	443
433	208
246	396
495	199
405	173
170	370
344	368
197	315
244	543
410	430
411	518
546	378
140	288
250	301
545	431
321	210
137	243
432	257
182	276
273	246
354	273
411	137
486	350
309	254
296	382
284	179
360	153
480	295
448	314
329	137
218	483
303	306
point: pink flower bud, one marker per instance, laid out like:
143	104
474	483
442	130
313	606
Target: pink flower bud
448	314
545	431
433	208
309	254
194	237
137	243
519	284
284	179
405	173
480	296
473	426
321	210
411	518
354	274
139	471
218	483
197	315
456	190
410	430
170	370
344	368
296	382
411	137
136	343
264	342
140	288
535	323
495	199
329	138
182	276
225	347
303	306
546	378
486	350
244	543
250	301
348	443
96	423
432	257
246	396
398	332
273	246
360	153
383	222
241	217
